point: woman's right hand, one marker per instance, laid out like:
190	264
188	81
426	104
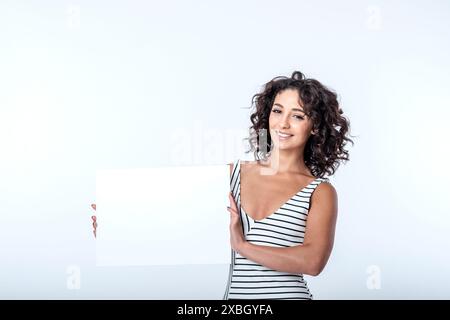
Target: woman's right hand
94	220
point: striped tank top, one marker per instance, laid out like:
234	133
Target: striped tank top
283	228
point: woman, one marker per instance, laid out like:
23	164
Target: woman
283	222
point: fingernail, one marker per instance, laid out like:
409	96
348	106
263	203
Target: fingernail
228	207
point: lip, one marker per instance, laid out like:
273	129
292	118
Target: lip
283	137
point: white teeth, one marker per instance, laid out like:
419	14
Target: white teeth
284	135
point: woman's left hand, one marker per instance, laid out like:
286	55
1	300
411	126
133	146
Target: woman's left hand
237	239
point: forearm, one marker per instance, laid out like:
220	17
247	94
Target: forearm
296	259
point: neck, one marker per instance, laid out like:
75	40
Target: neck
287	161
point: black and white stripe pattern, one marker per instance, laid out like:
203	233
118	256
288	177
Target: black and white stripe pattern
283	228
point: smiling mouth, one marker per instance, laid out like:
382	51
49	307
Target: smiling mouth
283	136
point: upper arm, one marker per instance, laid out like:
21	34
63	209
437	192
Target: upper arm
321	223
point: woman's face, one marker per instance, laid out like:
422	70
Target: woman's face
287	116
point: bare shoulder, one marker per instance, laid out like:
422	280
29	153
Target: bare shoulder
249	162
245	165
248	165
325	190
325	197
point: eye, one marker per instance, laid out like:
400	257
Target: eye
298	117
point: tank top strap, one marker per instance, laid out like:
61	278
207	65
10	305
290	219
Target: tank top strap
313	185
235	178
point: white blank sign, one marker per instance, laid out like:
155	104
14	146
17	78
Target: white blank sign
163	216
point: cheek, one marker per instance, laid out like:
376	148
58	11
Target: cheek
303	131
271	119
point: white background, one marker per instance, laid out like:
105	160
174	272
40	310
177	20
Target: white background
88	85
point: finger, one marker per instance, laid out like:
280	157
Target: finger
232	202
232	211
94	218
94	206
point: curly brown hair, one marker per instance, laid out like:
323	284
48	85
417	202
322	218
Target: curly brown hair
324	151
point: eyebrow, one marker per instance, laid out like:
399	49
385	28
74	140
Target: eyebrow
294	109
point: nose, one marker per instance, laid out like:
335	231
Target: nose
284	122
